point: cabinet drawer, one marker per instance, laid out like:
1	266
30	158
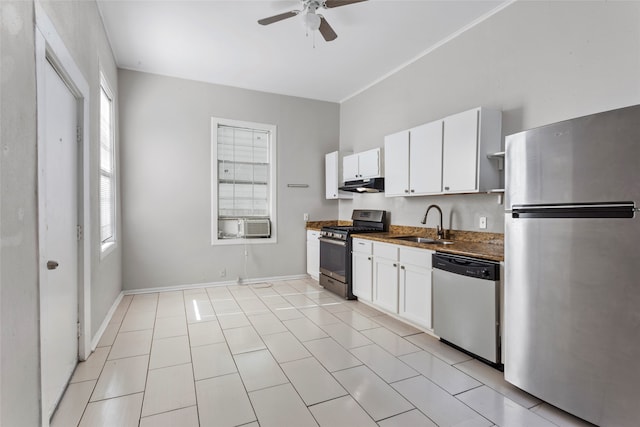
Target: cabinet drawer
362	245
384	250
418	257
312	235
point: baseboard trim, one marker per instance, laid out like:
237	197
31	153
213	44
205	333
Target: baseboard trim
105	322
212	284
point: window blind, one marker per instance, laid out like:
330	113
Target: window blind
243	172
107	185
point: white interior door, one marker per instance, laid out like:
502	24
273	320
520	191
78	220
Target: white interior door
59	256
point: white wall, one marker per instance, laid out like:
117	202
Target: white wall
80	26
537	61
166	171
18	225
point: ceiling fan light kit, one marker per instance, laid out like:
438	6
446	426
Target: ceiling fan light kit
313	21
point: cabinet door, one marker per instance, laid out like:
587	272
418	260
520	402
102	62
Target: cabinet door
350	168
460	152
362	271
385	283
331	175
415	294
396	160
313	254
369	163
425	159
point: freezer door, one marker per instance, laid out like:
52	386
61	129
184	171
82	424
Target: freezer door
589	159
572	314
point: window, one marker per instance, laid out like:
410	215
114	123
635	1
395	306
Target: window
107	168
243	182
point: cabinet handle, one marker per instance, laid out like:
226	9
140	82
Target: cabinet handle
413	191
402	267
395	265
406	191
446	188
369	258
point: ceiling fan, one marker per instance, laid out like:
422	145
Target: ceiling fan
313	20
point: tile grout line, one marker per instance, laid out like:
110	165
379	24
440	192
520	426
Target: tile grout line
84	410
146	378
302	289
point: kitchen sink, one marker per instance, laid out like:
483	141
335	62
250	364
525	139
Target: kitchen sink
423	240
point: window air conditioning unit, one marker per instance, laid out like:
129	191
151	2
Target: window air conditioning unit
251	228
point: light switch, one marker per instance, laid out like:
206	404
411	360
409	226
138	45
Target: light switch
306	217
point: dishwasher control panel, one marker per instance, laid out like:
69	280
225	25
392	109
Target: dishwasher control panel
470	267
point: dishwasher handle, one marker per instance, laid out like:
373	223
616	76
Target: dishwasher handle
466	266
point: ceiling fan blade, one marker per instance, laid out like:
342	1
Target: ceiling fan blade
276	18
326	30
337	3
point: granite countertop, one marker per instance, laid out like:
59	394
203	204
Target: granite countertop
489	251
317	225
487	246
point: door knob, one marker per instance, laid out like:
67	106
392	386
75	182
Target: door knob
52	265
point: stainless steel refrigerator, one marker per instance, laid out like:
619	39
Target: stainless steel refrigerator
572	265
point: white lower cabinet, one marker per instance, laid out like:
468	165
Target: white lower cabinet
362	269
385	276
394	278
415	286
313	254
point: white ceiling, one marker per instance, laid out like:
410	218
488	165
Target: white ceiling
221	42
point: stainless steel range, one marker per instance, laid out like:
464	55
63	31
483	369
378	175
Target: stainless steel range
335	249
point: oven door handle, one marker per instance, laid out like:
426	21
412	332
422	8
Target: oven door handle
333	242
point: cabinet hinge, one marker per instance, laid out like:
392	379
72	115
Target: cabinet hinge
79	232
78	135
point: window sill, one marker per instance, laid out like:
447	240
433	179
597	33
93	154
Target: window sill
240	241
106	249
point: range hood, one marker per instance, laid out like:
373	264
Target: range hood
371	185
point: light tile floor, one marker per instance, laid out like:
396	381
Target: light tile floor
283	354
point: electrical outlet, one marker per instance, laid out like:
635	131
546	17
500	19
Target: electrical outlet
223	272
306	216
483	222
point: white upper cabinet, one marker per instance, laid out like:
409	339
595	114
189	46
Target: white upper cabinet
332	177
361	165
468	138
350	171
369	163
425	160
396	159
413	161
445	156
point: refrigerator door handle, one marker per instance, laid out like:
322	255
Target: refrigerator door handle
576	210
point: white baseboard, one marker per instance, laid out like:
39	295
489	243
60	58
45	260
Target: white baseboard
105	322
213	284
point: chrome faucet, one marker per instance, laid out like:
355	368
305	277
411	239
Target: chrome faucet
439	229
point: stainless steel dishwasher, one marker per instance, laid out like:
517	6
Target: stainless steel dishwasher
466	304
